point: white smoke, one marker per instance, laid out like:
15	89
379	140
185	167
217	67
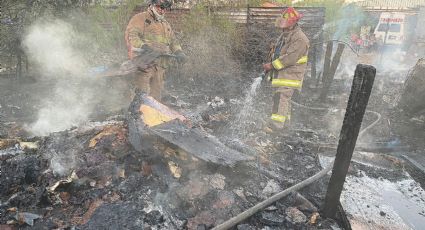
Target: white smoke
68	107
52	48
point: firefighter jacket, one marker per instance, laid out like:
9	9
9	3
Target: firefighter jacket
145	29
289	58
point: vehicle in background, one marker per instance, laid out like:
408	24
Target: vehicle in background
391	29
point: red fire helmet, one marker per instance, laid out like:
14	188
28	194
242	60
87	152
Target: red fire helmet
289	17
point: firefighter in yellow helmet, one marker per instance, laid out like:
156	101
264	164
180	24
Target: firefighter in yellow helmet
150	30
288	62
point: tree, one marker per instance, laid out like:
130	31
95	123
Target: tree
16	15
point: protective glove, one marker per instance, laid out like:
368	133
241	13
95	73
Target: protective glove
144	49
158	47
267	67
181	57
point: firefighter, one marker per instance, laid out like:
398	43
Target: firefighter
288	62
149	30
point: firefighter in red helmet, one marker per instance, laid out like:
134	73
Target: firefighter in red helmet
287	65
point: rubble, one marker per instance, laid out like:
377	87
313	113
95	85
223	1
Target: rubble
217	181
216	102
314	217
272	218
175	169
295	216
245	227
302	203
26	218
120	187
70	179
7	143
121	182
150	119
271	188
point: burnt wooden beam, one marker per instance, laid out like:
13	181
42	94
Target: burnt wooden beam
18	65
327	62
360	91
329	75
150	122
313	62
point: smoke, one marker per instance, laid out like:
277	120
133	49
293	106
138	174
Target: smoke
352	16
392	62
69	106
52	47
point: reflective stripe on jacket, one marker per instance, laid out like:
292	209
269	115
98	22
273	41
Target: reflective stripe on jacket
143	28
291	62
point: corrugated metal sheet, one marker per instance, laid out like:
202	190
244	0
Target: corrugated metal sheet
263	32
391	4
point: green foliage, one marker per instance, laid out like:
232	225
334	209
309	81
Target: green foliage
340	17
202	17
106	27
255	3
333	7
284	2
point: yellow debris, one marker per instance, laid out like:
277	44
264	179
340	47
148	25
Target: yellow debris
14	209
175	169
28	145
313	218
153	117
68	180
121	173
6	143
107	131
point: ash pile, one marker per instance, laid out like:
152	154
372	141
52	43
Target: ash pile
153	169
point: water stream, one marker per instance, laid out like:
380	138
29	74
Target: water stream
246	116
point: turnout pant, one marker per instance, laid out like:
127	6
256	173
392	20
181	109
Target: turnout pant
281	111
151	81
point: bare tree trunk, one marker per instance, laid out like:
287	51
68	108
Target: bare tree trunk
19	65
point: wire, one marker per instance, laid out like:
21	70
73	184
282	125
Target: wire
339	41
361	133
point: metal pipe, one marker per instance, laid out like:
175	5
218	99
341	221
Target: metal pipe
260	206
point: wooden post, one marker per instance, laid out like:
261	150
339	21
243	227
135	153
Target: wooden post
356	107
248	9
327	63
313	62
19	65
26	64
331	72
247	58
19	52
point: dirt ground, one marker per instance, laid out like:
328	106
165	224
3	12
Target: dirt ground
115	187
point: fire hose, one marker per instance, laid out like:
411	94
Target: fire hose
362	132
260	206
